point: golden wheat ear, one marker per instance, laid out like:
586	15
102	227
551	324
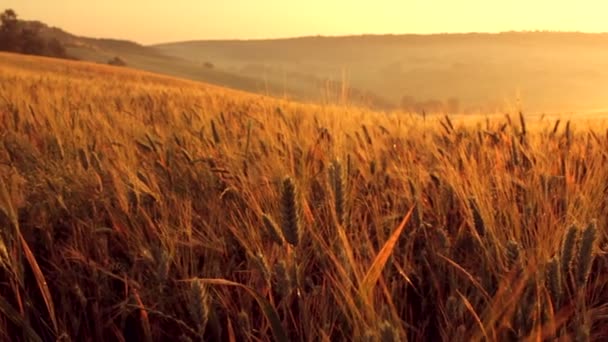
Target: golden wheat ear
199	305
567	252
289	212
338	185
272	229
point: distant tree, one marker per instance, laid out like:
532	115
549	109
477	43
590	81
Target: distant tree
31	43
117	61
9	31
55	48
25	37
208	65
9	20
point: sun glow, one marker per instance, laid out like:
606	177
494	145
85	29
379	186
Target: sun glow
154	21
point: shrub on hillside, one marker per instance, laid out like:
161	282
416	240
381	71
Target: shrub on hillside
117	61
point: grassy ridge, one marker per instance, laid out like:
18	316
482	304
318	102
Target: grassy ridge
138	207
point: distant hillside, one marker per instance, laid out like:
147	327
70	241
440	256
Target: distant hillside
475	72
275	82
545	70
203	69
38	38
145	58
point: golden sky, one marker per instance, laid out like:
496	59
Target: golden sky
156	21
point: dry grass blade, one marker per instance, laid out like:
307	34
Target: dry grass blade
41	281
469	276
6	204
375	270
14	317
143	314
271	315
231	335
469	307
522	122
546	331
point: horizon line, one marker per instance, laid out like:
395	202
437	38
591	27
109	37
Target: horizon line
366	35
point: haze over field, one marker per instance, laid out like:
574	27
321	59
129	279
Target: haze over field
418	58
157	21
474	71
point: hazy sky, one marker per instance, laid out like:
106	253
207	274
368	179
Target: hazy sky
156	21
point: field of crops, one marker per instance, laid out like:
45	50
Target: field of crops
139	207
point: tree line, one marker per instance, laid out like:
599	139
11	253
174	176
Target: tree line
24	37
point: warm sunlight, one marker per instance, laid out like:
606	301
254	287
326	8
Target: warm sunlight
319	170
157	21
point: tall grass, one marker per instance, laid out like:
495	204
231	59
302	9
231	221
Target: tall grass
137	207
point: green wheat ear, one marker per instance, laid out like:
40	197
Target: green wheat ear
582	334
443	239
199	306
568	250
282	276
554	282
262	265
244	323
388	333
513	254
585	254
453	309
478	222
289	212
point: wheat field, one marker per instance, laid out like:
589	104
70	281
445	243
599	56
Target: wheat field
140	207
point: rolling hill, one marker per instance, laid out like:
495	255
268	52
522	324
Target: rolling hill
546	71
475	72
101	50
150	59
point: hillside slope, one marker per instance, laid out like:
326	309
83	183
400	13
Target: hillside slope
546	71
145	58
201	69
